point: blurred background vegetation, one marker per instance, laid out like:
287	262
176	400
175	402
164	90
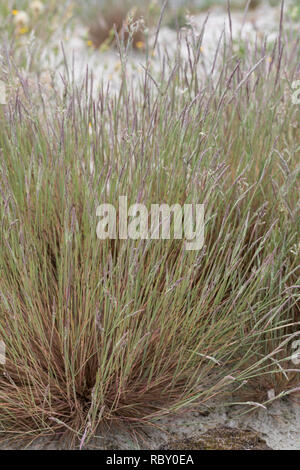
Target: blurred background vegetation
47	18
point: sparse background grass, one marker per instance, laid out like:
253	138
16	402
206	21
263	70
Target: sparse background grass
120	332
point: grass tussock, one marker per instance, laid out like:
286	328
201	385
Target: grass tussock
122	331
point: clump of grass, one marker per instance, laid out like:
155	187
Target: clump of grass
120	332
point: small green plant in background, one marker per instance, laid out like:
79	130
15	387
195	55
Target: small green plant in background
294	11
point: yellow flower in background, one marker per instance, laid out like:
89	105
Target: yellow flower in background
36	7
201	49
15	12
89	43
23	30
21	19
140	44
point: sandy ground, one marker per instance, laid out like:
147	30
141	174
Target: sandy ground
278	427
